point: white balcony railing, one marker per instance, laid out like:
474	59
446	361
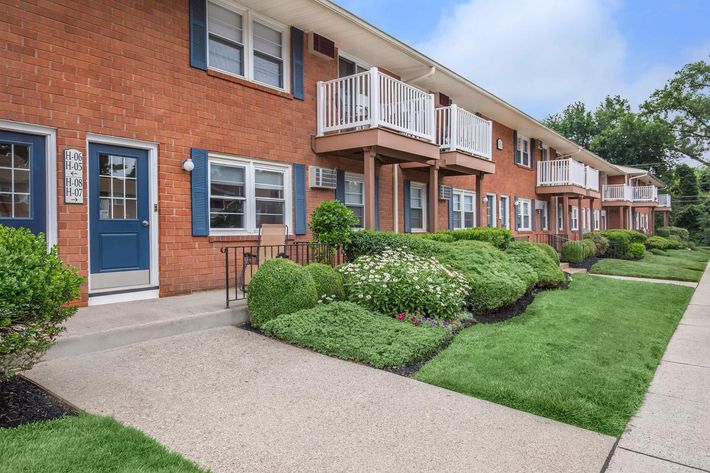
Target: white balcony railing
561	172
460	130
645	193
617	192
373	99
664	200
592	181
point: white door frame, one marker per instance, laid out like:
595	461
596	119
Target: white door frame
130	294
50	135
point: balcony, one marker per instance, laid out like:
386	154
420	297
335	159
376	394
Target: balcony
624	194
617	193
466	141
645	193
664	202
374	110
561	176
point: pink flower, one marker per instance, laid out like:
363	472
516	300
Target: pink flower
402	316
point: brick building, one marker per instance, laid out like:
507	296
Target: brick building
187	124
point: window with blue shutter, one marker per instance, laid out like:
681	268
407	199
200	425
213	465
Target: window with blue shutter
516	208
340	185
516	151
299	199
407	206
451	213
533	214
200	194
533	145
297	62
198	34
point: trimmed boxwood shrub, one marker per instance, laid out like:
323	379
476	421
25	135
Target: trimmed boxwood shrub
352	332
35	289
551	252
619	241
498	237
667	232
578	251
369	242
636	251
279	286
548	269
600	241
328	281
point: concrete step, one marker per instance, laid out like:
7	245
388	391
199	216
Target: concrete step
564	266
109	326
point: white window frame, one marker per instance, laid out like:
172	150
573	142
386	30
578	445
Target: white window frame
519	213
358	178
492	205
546	212
597	219
248	19
251	166
602	215
520	146
461	193
560	215
505	223
545	152
355	60
422	186
574	218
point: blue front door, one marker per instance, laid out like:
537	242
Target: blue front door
119	217
23	185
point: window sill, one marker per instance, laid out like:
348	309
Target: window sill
522	166
250	84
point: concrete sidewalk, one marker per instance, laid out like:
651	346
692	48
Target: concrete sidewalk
671	431
652	280
232	400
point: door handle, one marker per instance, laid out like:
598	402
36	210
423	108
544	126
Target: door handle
145	223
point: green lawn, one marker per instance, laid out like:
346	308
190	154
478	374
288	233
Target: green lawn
85	443
584	356
681	265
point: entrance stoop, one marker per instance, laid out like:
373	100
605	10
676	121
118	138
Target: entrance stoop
109	326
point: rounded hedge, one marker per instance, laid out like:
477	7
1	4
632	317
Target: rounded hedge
551	252
328	281
279	287
574	251
636	251
547	268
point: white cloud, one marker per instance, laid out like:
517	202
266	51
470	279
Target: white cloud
539	55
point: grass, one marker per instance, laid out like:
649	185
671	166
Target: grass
86	443
350	332
584	356
681	265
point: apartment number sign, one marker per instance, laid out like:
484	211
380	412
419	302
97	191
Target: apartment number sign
73	177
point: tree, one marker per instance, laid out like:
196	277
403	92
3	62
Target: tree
705	180
688	186
684	105
575	122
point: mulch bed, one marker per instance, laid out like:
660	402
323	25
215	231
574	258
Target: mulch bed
586	264
22	402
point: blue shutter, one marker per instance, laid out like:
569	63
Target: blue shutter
200	195
516	151
451	213
533	214
340	185
407	207
297	62
377	202
198	34
299	198
517	213
532	154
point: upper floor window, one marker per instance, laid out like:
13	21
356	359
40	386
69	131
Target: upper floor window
246	45
522	151
245	194
355	196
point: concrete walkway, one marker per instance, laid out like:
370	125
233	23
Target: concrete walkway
653	280
671	431
233	401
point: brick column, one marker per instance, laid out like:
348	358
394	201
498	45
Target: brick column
665	219
580	218
565	215
433	198
369	158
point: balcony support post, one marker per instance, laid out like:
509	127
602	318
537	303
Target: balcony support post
479	196
369	155
665	219
565	215
433	198
580	218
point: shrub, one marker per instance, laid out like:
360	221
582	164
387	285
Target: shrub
498	237
661	243
667	232
279	287
332	223
35	288
658	252
328	281
600	242
676	243
397	281
352	332
636	251
619	241
578	251
368	242
548	269
496	280
442	237
551	252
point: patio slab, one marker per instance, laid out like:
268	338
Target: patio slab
626	461
232	400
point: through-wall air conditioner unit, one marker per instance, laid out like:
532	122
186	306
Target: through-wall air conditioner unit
446	192
322	178
539	204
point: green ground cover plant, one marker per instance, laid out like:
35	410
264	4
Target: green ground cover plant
86	444
681	265
571	356
351	332
545	266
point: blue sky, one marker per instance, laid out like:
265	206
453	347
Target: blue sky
540	55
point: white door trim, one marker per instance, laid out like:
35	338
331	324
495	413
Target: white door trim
152	149
50	135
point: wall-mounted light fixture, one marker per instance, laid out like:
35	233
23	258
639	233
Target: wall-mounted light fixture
484	199
188	165
499	143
